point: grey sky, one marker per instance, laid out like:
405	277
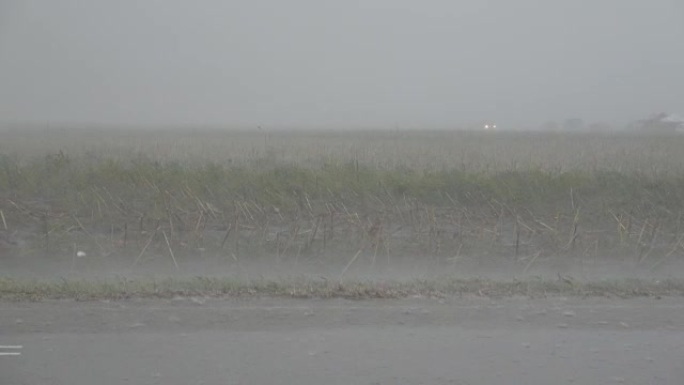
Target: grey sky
403	63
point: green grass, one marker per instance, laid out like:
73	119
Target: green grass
72	183
442	194
14	290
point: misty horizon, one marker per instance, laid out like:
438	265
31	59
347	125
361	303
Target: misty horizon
380	64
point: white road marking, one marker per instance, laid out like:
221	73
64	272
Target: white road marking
10	347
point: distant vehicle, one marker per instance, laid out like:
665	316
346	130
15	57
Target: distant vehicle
489	126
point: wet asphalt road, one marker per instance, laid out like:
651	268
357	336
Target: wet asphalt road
413	341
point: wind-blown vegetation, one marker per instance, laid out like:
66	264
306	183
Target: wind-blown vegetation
323	194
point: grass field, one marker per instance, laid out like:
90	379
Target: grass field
83	290
335	195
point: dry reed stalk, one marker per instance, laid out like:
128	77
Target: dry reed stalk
264	231
199	221
169	213
245	211
99	199
457	255
574	234
540	222
258	208
641	233
225	237
149	241
591	245
86	232
168	244
677	245
529	264
294	234
236	246
345	209
314	231
46	231
308	205
651	245
572	199
622	228
278	244
349	264
517	238
118	202
375	236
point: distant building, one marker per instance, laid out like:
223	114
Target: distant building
676	121
660	123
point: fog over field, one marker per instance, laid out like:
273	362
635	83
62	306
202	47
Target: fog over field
335	192
308	63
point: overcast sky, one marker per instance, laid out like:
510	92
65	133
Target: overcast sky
391	63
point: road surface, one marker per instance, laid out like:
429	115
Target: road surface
283	341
